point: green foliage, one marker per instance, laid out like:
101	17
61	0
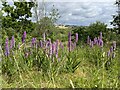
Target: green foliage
45	23
94	55
17	16
60	34
82	33
111	35
73	62
78	69
54	15
93	30
28	66
116	18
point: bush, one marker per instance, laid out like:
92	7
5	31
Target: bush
93	30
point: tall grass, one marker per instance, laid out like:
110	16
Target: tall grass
54	64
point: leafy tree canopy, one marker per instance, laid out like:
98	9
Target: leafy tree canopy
116	18
18	16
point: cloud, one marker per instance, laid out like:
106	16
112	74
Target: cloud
81	13
77	0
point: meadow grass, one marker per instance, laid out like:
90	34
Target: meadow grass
82	66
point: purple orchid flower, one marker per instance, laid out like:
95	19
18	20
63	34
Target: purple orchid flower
7	52
69	41
12	42
23	37
108	53
50	50
53	48
111	49
101	42
33	42
57	48
95	41
41	43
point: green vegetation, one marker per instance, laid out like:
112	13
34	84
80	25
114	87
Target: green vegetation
17	16
41	55
116	18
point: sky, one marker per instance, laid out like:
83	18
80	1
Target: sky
82	12
69	0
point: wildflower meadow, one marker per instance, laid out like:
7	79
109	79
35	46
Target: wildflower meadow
43	63
68	44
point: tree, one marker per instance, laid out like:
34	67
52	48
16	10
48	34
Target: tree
54	14
94	29
44	23
18	16
116	18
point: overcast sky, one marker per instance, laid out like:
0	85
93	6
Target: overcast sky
69	0
82	12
